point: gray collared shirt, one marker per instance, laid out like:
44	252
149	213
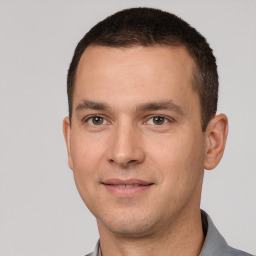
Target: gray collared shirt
214	243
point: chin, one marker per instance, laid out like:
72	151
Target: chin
129	226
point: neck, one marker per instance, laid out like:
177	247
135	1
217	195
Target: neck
183	236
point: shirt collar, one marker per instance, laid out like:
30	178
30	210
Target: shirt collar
96	249
214	243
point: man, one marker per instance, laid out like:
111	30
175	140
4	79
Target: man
142	127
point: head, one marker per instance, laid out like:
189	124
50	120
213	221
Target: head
151	27
142	90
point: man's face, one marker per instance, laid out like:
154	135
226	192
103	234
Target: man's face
136	122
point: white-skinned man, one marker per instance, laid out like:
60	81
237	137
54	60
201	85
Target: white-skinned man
142	127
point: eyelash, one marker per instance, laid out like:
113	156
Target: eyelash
87	120
161	117
166	120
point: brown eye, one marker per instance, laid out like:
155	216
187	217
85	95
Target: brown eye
159	120
96	120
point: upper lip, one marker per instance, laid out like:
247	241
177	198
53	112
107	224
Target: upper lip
126	182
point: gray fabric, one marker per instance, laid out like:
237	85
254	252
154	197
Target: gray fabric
214	244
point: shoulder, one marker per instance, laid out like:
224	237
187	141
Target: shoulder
214	243
235	252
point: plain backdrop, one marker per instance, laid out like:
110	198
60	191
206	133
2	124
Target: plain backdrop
41	212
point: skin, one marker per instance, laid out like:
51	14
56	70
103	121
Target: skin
147	127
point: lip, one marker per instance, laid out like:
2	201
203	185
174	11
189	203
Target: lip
126	182
134	187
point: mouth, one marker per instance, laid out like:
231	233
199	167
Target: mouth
126	188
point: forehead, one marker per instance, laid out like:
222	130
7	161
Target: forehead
100	56
134	74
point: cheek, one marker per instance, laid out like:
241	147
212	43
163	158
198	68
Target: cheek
87	154
85	157
180	158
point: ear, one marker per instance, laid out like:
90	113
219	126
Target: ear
216	136
66	132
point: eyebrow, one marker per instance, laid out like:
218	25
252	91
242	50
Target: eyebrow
151	106
88	104
162	105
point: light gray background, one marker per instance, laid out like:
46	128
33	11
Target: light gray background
41	212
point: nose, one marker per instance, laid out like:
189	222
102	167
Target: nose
126	148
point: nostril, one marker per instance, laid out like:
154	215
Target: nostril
123	163
132	161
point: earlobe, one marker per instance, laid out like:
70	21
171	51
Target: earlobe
66	132
216	136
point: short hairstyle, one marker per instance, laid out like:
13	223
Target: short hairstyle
152	27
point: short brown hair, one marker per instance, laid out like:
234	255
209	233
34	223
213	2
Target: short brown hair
150	27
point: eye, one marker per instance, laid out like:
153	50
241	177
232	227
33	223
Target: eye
157	120
96	120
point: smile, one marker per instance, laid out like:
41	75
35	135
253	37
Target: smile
126	188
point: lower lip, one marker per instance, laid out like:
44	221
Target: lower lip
126	191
